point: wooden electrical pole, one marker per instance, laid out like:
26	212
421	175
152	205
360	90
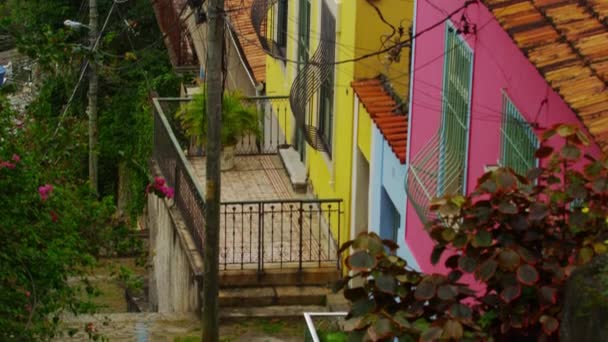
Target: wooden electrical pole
214	89
93	85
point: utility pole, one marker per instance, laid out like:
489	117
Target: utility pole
214	89
93	84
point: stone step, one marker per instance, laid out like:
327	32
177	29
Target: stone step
295	168
275	311
269	296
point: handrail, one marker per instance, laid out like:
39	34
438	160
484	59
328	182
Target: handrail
180	153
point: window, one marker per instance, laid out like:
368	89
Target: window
326	112
457	74
303	32
326	92
281	27
519	142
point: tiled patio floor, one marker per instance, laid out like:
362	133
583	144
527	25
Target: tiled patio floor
276	222
253	178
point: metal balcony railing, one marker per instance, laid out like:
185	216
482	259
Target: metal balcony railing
259	20
282	233
433	171
273	111
310	79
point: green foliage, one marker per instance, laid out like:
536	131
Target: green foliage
522	236
392	301
238	118
519	236
44	227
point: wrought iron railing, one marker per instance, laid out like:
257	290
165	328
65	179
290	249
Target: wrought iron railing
178	173
256	235
311	78
177	37
259	20
280	234
425	179
273	112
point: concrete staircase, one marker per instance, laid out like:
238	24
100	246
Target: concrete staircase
279	301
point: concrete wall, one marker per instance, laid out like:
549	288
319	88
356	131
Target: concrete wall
176	265
498	66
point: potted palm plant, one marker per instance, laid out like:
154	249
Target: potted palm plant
238	120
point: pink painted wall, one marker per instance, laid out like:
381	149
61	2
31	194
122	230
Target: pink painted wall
499	66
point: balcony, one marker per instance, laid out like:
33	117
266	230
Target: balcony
265	224
176	35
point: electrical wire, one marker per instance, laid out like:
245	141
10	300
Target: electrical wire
84	69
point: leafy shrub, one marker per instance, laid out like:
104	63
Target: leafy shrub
520	237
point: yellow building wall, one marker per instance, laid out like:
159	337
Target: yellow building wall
331	176
370	30
364	134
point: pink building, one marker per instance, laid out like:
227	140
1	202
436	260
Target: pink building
487	77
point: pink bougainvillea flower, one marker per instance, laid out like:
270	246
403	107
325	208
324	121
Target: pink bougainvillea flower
16	158
169	192
159	181
45	191
6	164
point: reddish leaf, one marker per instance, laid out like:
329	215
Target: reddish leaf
386	283
527	274
381	329
570	152
436	254
431	334
510	293
505	179
452	261
507	207
550	324
425	290
538	211
543	152
360	261
548	133
454	275
453	330
392	245
508	260
482	239
486	270
547	295
345	246
461	311
526	255
534	173
467	264
447	292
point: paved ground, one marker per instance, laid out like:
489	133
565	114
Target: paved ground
263	178
155	327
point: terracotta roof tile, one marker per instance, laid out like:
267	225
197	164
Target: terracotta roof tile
567	41
240	19
381	107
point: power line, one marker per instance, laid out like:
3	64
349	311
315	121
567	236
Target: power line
381	51
84	69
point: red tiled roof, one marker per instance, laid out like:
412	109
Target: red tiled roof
240	19
385	113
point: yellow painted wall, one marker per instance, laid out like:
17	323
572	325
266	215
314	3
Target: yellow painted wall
364	135
370	29
331	176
